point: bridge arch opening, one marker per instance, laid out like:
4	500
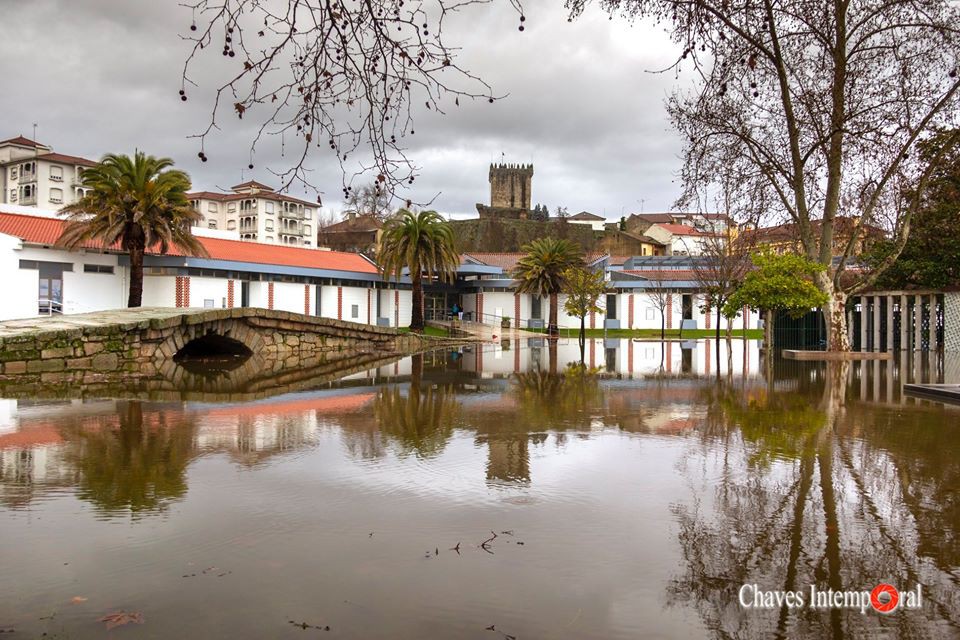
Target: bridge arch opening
213	346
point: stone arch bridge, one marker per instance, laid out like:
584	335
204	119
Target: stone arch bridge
146	341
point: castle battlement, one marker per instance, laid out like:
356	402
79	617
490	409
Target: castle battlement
511	185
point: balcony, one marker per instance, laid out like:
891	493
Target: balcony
292	214
28	200
28	176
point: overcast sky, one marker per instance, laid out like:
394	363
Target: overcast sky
101	76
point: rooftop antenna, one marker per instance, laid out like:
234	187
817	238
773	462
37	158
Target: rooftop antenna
36	150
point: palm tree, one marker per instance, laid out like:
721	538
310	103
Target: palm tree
137	203
422	243
540	271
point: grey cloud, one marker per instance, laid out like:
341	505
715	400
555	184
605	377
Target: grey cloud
101	76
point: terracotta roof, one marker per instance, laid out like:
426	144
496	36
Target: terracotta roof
46	231
23	142
64	158
680	229
653	217
252	183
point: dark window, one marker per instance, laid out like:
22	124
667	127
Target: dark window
354	311
97	268
612	306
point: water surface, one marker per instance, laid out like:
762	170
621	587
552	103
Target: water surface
440	495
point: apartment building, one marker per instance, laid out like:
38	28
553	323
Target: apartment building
258	213
33	175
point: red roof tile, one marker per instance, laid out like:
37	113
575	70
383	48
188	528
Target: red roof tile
46	231
23	142
663	274
64	158
252	183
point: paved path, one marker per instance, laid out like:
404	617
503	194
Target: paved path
94	319
489	332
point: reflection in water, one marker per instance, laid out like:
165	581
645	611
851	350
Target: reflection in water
633	485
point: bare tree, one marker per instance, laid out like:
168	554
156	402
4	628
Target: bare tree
370	200
817	107
346	76
658	293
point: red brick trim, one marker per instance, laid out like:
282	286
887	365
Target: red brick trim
186	291
306	299
516	311
669	311
269	295
479	317
229	294
630	351
706	319
179	291
630	317
593	322
339	303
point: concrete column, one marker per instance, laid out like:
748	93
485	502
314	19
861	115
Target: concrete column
875	345
904	323
850	334
889	323
933	322
918	323
876	381
864	316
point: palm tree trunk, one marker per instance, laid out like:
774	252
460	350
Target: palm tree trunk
553	330
416	313
136	277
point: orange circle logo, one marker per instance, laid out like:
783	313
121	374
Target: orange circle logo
892	600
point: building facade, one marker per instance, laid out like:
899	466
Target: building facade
32	175
258	213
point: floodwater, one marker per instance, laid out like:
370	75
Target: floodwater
488	493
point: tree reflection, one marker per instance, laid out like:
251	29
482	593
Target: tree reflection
420	420
797	502
131	466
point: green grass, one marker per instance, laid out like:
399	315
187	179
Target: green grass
750	334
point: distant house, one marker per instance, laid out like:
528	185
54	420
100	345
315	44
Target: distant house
592	219
705	222
785	238
680	239
358	233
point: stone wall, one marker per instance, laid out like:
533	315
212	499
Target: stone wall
498	235
951	322
78	348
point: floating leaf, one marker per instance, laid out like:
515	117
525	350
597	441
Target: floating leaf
121	618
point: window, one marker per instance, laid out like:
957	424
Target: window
97	268
307	229
13	195
269	225
354	311
231	224
56	195
212	206
208	303
307	212
56	173
306	243
268	206
269	238
212	224
231	207
651	313
13	173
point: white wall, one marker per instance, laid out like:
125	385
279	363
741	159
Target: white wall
288	296
159	291
20	286
203	289
357	296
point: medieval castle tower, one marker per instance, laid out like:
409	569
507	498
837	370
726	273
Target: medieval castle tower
511	190
510	185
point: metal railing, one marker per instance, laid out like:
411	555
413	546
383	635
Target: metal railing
47	307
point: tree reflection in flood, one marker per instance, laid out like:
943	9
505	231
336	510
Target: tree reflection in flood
798	492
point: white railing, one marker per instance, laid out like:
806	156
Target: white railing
47	307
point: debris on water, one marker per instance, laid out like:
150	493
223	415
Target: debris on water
121	618
77	599
485	545
506	636
307	625
456	548
371	534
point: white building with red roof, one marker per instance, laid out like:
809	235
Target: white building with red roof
32	175
40	278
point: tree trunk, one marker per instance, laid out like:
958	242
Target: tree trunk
135	298
768	331
835	319
663	325
553	329
416	313
583	337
